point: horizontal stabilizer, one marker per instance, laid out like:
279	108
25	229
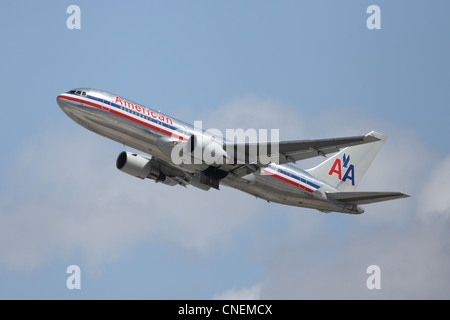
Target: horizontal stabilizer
366	197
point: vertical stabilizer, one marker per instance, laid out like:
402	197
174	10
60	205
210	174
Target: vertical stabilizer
345	169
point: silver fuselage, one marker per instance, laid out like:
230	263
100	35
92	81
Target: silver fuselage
140	127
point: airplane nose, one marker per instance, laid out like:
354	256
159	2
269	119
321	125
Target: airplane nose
61	102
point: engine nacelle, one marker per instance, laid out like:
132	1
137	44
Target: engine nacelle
137	166
197	153
206	149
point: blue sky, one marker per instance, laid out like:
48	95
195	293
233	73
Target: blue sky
309	68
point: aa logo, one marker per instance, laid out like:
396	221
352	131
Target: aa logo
339	166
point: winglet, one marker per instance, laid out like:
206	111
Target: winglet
376	135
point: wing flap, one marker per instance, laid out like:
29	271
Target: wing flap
245	169
366	197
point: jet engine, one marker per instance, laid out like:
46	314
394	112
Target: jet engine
200	150
206	149
200	155
138	166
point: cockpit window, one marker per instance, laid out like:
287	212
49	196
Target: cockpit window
79	92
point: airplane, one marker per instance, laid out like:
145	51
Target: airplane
327	187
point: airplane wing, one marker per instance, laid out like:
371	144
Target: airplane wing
290	151
243	164
366	197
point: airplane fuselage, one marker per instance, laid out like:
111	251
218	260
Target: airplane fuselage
143	129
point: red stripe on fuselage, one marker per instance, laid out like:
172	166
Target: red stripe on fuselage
287	180
125	116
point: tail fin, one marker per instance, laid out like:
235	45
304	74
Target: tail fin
345	169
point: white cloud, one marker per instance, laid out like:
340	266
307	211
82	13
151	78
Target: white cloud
64	196
435	200
245	293
413	260
256	113
326	256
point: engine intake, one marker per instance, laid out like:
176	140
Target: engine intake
137	166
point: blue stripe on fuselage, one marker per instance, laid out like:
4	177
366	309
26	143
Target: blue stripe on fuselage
289	173
117	106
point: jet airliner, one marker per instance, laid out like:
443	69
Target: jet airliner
328	187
